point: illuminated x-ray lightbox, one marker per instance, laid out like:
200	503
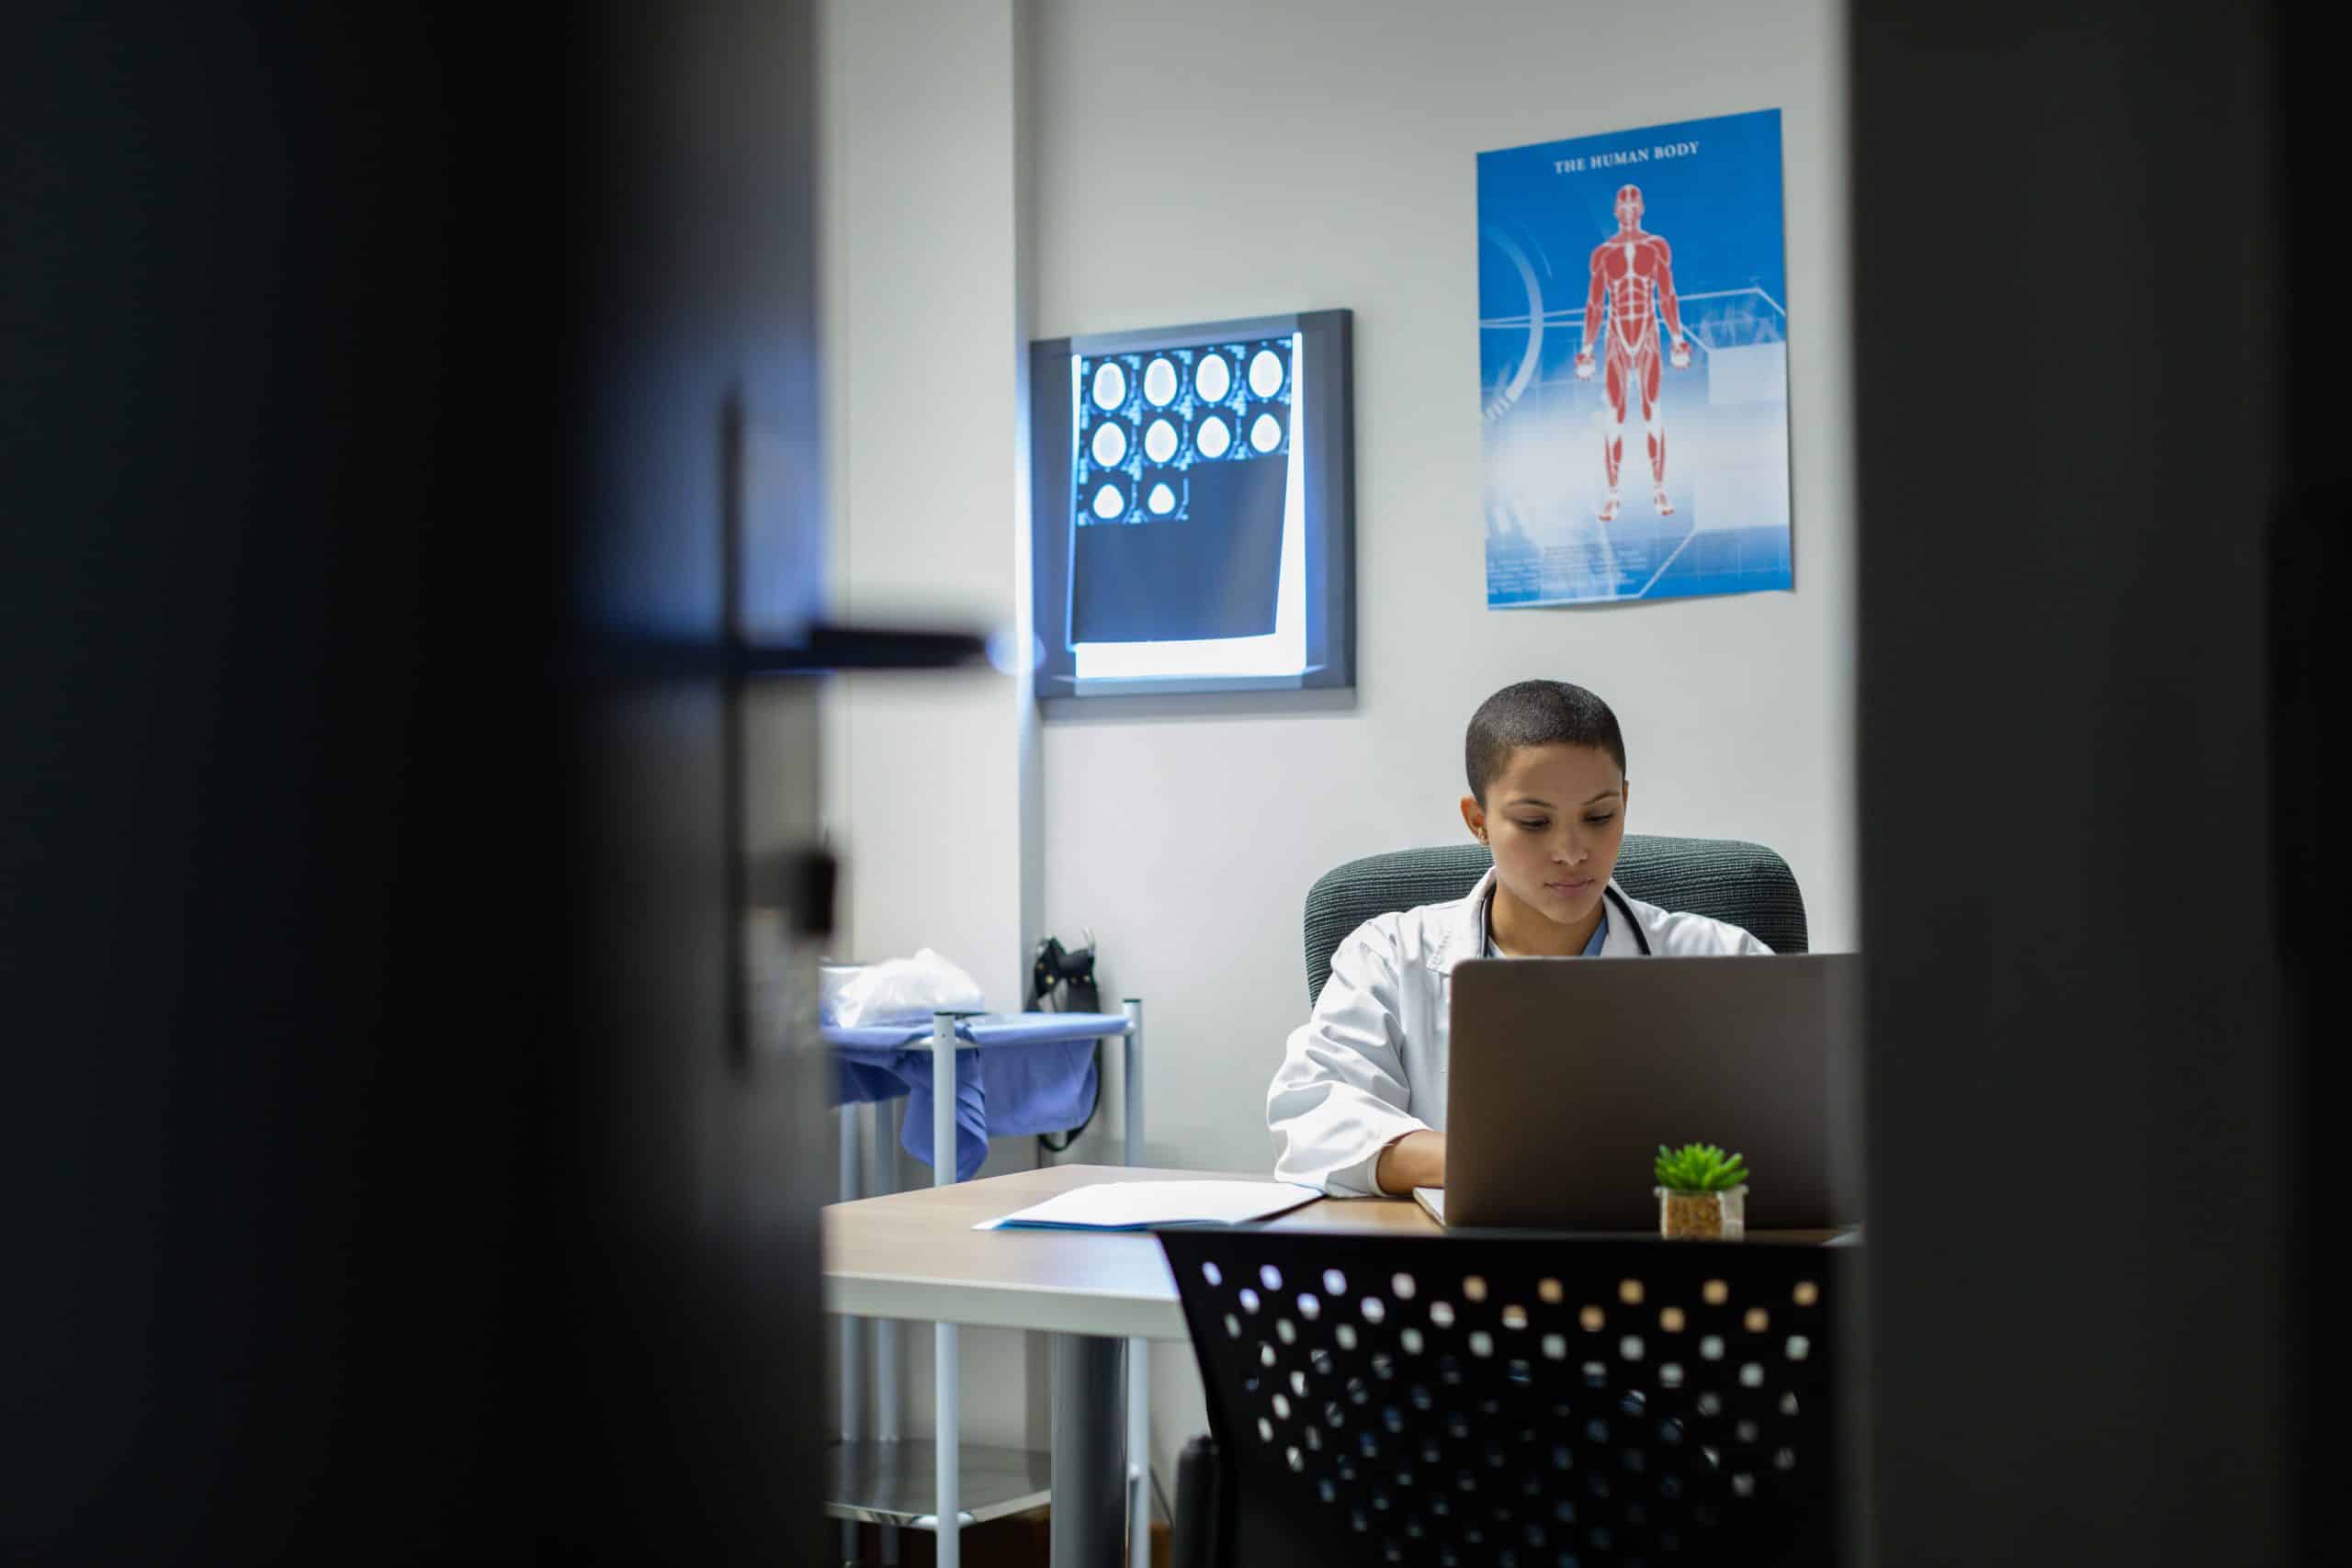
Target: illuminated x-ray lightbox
1194	508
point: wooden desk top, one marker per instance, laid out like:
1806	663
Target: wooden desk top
915	1255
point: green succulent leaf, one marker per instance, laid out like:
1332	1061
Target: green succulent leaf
1699	1167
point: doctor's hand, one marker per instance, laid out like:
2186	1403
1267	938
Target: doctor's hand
1416	1159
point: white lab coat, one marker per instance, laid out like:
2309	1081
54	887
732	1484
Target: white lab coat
1370	1065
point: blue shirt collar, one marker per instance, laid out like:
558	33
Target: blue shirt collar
1591	948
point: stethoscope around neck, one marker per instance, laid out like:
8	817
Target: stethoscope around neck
1609	892
1641	937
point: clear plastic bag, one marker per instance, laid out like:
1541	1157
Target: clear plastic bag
905	991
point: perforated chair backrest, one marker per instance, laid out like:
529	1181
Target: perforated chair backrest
1725	879
1516	1399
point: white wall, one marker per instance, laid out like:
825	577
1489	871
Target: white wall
924	299
1229	158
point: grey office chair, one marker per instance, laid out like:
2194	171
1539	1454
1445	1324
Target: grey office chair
1726	879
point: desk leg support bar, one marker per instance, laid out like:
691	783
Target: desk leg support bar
945	1405
1089	1460
1138	1467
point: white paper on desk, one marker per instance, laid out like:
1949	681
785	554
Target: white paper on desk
1140	1205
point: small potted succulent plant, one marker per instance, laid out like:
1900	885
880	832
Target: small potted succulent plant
1701	1193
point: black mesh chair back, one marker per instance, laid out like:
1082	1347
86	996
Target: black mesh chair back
1514	1400
1725	879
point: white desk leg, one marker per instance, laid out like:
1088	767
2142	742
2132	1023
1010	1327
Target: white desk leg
1139	1350
882	1333
945	1405
882	1176
1091	1486
853	1382
1139	1453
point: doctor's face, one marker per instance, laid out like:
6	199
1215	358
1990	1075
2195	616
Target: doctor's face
1555	817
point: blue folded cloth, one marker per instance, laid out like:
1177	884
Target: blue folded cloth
1022	1073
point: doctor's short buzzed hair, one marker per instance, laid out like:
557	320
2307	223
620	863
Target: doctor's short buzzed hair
1536	713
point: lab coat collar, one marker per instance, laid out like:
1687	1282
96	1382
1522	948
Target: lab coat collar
1463	934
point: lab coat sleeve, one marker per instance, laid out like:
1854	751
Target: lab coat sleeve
1696	936
1340	1096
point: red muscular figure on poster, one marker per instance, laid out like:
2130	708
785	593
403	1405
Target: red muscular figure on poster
1624	269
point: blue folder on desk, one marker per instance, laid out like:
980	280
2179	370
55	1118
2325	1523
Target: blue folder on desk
1028	1073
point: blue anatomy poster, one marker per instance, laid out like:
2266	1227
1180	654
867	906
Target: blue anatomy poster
1633	341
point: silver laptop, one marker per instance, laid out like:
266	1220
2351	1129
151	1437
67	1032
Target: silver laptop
1568	1073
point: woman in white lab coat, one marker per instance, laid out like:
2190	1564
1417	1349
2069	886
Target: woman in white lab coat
1358	1106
